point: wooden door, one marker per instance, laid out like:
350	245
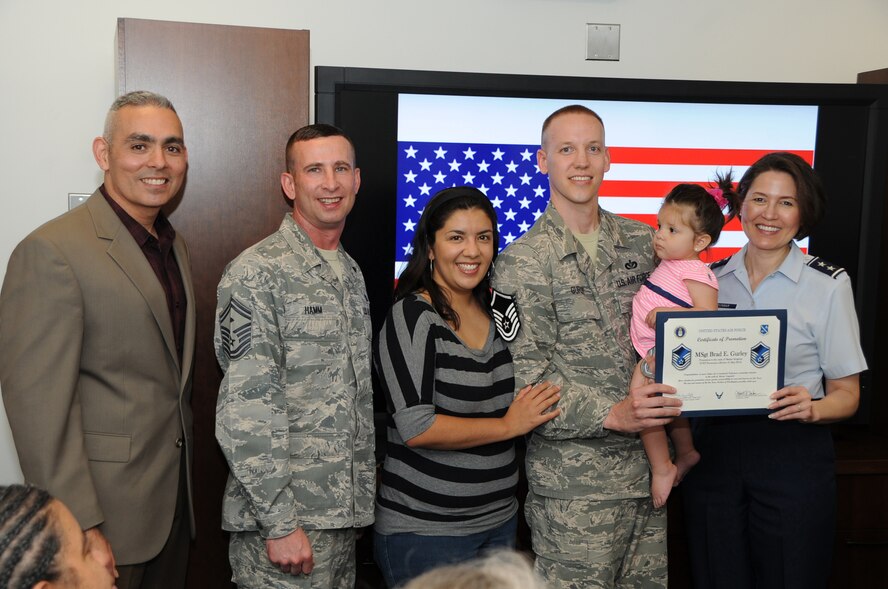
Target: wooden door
240	92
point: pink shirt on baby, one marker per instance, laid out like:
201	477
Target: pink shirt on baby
670	276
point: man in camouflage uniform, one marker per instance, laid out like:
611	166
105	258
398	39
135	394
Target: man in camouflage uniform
294	416
573	276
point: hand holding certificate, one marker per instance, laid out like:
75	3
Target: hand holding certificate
722	362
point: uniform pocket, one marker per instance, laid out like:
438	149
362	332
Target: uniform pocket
312	334
302	323
625	297
574	303
318	445
321	477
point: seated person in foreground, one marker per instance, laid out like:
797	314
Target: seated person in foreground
499	570
43	547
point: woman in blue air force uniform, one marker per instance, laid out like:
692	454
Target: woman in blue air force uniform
760	505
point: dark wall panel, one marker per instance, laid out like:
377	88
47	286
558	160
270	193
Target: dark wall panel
240	93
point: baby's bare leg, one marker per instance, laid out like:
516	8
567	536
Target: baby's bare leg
663	472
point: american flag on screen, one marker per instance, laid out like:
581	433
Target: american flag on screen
634	187
491	143
507	174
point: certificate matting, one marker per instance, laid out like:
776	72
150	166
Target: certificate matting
722	362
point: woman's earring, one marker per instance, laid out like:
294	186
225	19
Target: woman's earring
490	270
431	266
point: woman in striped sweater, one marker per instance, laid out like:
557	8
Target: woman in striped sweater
448	486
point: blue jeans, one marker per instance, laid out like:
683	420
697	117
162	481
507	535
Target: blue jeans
402	557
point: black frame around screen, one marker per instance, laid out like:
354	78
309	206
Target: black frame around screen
851	158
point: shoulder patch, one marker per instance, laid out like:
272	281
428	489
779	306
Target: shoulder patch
821	265
236	327
505	315
719	263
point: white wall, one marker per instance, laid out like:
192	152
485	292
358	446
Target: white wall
57	62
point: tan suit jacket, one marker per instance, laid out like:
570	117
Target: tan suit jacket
98	405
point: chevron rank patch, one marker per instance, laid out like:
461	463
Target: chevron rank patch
236	328
681	357
505	315
760	355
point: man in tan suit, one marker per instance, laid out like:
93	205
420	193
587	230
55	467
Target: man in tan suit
97	339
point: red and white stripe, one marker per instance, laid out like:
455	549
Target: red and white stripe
640	177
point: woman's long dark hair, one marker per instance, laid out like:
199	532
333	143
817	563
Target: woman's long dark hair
417	276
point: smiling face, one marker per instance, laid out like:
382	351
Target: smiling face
675	238
144	160
770	212
462	251
322	183
574	156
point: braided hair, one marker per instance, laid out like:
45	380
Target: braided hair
29	543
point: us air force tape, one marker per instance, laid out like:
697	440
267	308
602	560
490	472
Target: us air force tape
505	315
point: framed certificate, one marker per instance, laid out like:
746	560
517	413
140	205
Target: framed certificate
722	362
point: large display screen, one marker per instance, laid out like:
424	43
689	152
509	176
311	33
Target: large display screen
416	132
